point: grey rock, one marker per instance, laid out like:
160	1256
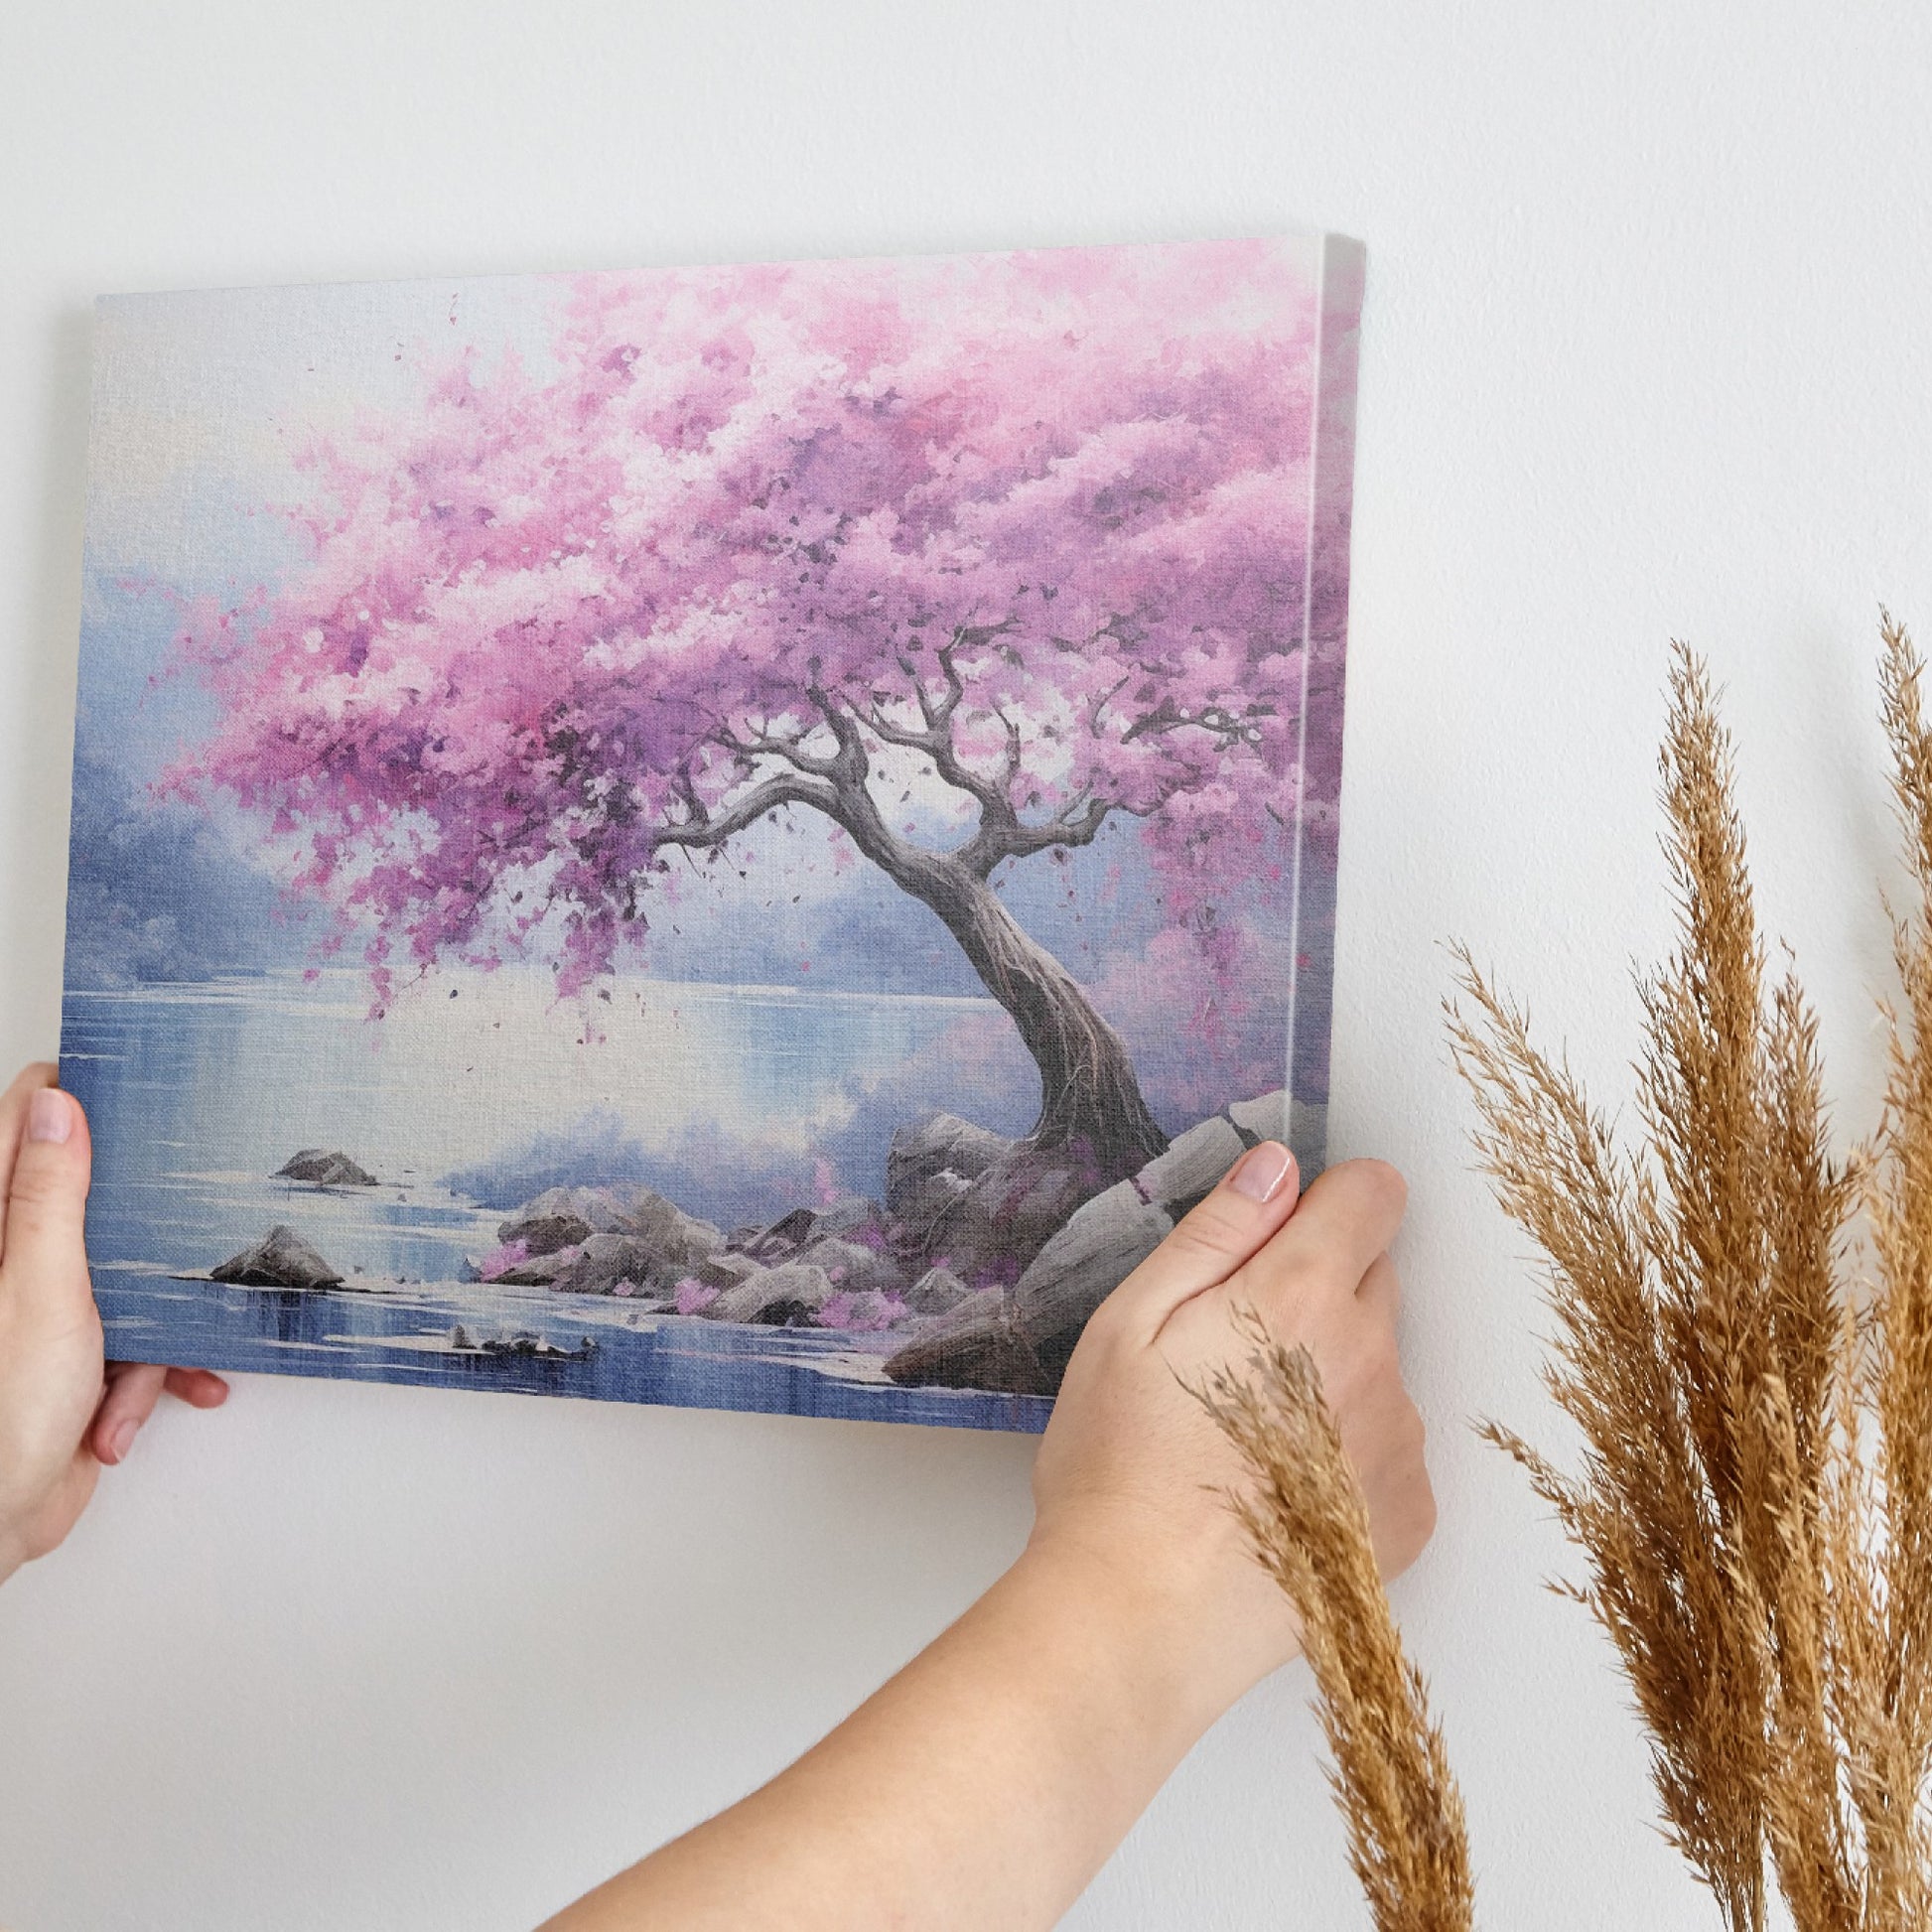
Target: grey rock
1192	1165
782	1239
979	1349
724	1269
562	1217
324	1169
846	1217
853	1267
939	1292
567	1217
1104	1242
870	1311
677	1239
794	1291
280	1259
1263	1118
1006	1215
1307	1135
538	1271
940	1145
603	1261
924	1204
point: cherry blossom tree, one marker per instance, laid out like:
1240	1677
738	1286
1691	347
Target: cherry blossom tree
1022	539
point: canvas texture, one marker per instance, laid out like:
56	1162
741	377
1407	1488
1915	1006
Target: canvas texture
746	837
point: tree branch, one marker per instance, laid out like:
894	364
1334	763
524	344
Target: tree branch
1076	824
1230	726
705	831
766	743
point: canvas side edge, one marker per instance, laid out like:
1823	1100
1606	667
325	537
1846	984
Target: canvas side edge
1325	640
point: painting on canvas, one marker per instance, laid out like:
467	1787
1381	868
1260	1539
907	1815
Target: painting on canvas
735	836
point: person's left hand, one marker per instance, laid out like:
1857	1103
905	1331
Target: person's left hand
63	1409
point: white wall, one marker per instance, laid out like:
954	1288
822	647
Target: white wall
1645	353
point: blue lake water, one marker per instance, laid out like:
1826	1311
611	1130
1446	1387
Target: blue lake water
198	1092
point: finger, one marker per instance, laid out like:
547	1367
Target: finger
43	1270
1349	1216
200	1387
13	1125
1244	1210
1380	1293
128	1403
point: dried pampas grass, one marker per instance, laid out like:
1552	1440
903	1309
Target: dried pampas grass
1752	1388
1754	1496
1308	1524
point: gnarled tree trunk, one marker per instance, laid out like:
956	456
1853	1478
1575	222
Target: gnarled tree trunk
1090	1100
1089	1095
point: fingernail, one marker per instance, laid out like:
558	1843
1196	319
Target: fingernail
49	1116
122	1438
1262	1170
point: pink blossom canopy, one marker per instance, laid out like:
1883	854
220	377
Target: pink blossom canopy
1027	530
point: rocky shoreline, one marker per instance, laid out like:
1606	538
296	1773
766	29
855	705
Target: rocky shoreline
977	1270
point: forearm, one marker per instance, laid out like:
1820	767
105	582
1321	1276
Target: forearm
984	1785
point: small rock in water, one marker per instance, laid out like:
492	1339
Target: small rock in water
280	1259
322	1169
526	1342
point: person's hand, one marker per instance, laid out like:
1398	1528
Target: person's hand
63	1411
1043	1719
1132	1470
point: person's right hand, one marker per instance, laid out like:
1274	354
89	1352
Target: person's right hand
65	1411
1131	1471
985	1784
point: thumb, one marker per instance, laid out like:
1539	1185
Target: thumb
1235	1220
46	1253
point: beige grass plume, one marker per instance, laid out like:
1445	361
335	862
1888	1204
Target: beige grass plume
1754	1495
1308	1524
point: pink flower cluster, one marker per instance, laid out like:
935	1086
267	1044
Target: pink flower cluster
549	620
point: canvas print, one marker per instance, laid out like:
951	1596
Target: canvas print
746	837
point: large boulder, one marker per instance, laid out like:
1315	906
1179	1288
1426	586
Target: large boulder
1192	1163
931	1163
1003	1218
280	1259
977	1347
563	1217
322	1169
1105	1241
1265	1118
677	1240
794	1290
